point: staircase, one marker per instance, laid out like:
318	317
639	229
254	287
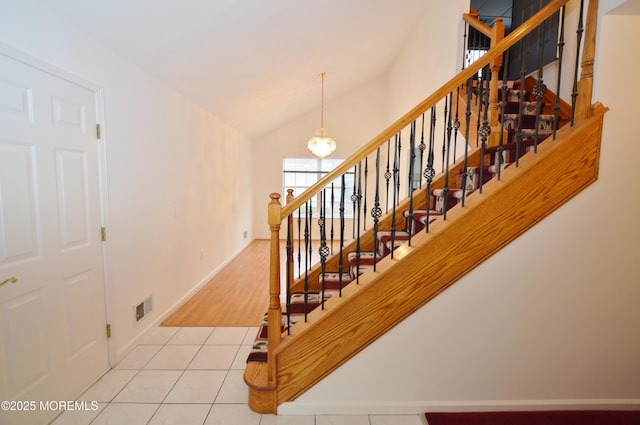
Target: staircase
540	153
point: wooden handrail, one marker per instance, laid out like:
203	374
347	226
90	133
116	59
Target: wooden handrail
472	19
438	95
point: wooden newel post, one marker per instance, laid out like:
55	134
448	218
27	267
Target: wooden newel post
274	316
585	85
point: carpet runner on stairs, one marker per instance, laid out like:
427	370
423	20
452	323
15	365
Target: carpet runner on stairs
387	240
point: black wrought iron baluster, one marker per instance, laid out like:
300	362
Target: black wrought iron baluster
376	211
456	126
556	106
332	214
429	171
387	176
358	195
444	132
422	147
397	166
288	270
465	46
310	250
450	127
480	103
299	242
465	170
485	129
412	157
396	188
340	254
523	72
324	249
353	201
574	92
364	204
499	160
307	265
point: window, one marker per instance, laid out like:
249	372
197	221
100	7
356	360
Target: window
301	173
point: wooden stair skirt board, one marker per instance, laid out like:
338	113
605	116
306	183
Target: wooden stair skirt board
506	208
557	417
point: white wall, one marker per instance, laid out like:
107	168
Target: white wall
174	171
352	119
551	321
429	59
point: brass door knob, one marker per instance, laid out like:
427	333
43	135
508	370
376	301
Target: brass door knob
10	280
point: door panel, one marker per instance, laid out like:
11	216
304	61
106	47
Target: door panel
52	319
19	229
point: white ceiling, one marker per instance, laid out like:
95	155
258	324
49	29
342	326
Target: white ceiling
253	63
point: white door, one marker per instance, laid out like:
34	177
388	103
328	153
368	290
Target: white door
52	310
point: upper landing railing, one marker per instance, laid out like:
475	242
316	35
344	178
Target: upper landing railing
374	171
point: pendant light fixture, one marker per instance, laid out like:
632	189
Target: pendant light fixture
321	145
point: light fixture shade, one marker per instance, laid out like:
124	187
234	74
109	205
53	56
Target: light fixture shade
321	145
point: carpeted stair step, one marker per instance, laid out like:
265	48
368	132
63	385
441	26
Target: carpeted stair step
334	281
544	121
386	238
454	196
297	310
420	219
362	263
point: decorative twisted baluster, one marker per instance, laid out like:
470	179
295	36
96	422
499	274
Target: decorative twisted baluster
456	128
307	258
332	214
430	172
358	204
422	146
556	106
324	250
354	199
485	129
364	202
450	127
396	168
376	211
299	242
523	72
340	255
412	158
465	46
396	189
500	151
288	277
574	92
387	176
444	132
465	170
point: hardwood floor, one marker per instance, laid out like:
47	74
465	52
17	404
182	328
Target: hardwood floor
237	296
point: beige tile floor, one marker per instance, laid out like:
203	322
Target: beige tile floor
191	376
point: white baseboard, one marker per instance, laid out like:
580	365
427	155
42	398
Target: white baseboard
418	407
126	349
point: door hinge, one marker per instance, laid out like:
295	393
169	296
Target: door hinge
98	132
103	234
108	330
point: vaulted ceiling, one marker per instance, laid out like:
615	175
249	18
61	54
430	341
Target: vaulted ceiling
253	63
